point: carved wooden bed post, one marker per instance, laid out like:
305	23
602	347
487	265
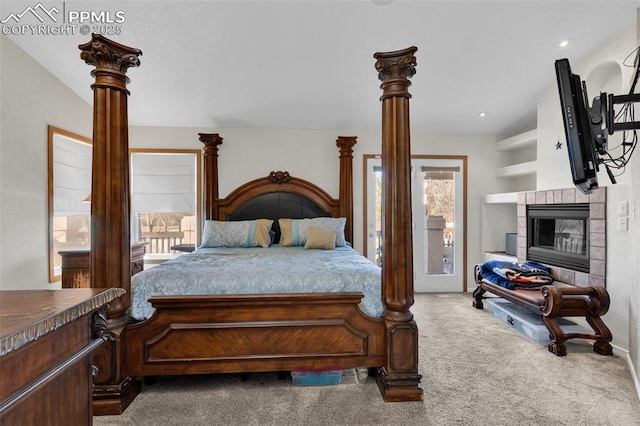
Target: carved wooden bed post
346	143
210	184
110	245
110	233
399	378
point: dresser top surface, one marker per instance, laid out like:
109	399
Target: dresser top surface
26	315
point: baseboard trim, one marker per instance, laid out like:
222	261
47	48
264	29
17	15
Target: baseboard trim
624	354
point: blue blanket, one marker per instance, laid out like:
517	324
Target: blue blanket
258	270
514	275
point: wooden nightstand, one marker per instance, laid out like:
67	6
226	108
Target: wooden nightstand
76	266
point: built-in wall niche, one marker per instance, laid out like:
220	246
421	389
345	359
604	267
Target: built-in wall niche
69	189
516	172
516	161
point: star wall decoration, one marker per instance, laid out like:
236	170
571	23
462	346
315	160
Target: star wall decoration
558	145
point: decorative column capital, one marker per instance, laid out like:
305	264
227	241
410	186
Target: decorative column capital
107	55
394	70
211	142
400	64
346	143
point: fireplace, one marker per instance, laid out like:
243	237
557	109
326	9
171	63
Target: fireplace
595	232
558	234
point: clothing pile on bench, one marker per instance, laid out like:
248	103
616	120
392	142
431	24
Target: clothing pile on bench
512	275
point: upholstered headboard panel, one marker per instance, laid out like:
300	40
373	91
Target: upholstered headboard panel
276	205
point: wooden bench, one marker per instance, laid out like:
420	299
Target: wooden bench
553	301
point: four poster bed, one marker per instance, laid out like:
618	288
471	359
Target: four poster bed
248	331
302	329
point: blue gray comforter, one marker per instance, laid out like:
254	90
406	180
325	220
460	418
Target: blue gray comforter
259	271
512	275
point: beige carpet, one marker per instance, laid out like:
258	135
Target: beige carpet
476	371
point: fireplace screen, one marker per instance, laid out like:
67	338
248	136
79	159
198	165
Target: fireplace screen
558	234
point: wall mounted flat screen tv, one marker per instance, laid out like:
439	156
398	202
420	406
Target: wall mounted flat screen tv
581	144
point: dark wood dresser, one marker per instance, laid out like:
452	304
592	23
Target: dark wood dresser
46	341
76	265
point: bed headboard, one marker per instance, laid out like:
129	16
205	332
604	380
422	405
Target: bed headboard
279	194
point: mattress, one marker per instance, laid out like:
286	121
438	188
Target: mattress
258	270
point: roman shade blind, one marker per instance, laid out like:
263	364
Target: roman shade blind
440	172
446	172
163	182
72	176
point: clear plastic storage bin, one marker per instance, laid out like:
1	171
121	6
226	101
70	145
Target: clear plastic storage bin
526	322
316	378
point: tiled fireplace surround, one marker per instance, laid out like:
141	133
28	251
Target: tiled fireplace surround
597	232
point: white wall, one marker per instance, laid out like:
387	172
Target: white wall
603	70
32	98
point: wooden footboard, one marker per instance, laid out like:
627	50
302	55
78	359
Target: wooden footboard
243	333
552	302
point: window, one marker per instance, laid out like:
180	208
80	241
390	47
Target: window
165	200
69	195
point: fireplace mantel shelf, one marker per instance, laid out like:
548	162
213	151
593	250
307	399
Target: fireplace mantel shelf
501	198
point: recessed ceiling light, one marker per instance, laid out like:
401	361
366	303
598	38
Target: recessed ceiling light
482	114
564	43
382	3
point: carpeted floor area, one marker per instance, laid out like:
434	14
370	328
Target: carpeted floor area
476	371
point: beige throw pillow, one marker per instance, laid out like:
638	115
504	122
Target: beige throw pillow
320	238
262	237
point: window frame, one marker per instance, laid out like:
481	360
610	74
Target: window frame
198	190
52	131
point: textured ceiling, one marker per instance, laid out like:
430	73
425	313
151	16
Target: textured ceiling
309	64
